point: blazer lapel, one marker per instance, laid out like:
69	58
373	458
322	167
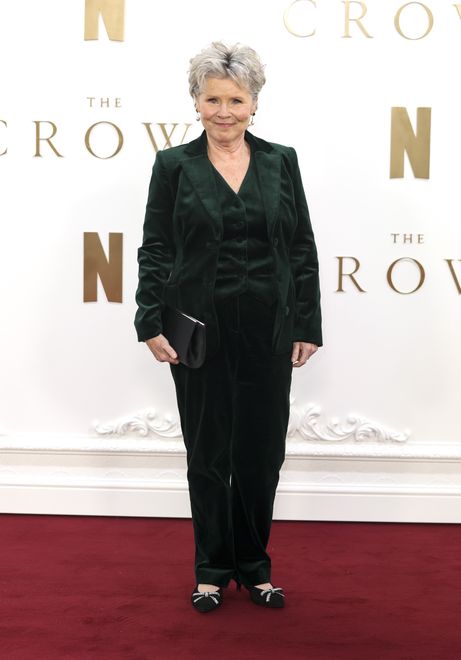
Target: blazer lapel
268	167
199	171
269	172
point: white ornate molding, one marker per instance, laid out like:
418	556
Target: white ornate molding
147	476
304	424
144	423
61	444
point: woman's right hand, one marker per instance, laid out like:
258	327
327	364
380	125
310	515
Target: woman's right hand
162	349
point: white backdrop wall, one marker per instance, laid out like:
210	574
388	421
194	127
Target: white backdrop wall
88	418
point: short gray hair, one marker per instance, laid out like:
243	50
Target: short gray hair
239	62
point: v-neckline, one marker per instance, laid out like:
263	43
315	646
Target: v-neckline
250	162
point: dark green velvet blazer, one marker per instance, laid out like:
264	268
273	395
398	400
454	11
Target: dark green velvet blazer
183	228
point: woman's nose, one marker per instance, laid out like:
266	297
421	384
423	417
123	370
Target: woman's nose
223	110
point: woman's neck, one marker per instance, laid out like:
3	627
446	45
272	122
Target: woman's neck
227	150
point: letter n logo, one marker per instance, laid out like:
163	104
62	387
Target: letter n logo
113	15
416	145
109	270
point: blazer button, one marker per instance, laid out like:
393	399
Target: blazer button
275	242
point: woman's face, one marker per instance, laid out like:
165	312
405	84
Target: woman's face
225	109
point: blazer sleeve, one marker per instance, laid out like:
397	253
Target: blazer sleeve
156	255
305	268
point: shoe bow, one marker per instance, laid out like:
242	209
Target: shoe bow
214	595
270	592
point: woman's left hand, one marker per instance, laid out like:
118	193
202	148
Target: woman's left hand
302	351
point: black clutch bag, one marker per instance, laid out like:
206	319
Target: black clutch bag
186	335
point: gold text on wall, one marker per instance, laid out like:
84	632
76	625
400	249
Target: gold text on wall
412	20
109	269
160	135
417	145
349	279
113	16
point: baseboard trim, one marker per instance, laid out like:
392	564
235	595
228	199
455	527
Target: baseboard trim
296	503
131	477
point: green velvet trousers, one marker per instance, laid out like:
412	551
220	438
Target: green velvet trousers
234	413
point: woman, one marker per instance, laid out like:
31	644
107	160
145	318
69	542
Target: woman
227	239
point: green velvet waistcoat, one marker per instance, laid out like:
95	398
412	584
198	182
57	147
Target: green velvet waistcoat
245	262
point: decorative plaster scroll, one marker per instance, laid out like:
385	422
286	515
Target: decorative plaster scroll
144	423
305	422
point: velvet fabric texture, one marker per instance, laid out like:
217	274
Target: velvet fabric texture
234	414
183	231
244	258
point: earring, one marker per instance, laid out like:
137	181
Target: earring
197	118
252	121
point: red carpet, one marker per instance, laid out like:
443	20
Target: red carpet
110	588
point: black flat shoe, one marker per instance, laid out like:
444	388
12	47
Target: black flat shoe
207	600
273	597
